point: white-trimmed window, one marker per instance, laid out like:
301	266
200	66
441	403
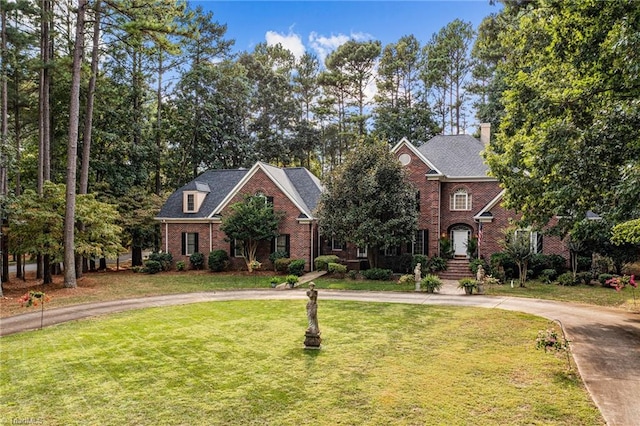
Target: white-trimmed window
535	239
238	248
361	252
460	200
189	243
337	245
420	243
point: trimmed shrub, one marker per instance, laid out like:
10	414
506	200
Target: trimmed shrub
164	258
377	274
353	274
180	265
321	263
566	279
282	264
540	262
503	266
584	278
407	279
152	266
218	260
296	267
337	268
437	264
277	255
196	260
548	275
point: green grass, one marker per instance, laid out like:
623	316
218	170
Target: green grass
242	362
592	295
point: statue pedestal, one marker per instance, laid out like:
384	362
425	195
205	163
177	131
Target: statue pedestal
312	340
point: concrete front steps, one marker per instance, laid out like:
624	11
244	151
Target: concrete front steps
456	269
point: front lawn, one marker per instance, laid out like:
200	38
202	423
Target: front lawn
592	295
242	362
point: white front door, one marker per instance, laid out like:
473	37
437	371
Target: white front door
460	239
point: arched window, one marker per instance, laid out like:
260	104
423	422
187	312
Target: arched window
460	200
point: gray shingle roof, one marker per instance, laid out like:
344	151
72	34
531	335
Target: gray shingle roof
297	182
220	183
456	156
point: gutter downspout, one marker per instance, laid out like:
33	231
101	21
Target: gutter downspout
166	237
311	246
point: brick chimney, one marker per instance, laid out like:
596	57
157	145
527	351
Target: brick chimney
485	133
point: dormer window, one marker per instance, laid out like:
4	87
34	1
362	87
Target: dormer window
192	199
460	200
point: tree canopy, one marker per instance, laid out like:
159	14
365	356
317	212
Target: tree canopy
368	201
250	222
568	142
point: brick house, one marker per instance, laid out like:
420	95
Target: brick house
457	200
191	217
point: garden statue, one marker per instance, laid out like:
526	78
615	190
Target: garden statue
312	334
480	274
418	275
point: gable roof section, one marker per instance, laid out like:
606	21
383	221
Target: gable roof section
485	214
405	142
457	156
299	188
219	183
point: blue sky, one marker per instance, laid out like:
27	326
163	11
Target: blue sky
321	26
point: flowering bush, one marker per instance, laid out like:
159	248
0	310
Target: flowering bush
550	341
621	282
32	298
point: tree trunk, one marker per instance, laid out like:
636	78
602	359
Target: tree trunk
4	180
159	127
46	270
72	148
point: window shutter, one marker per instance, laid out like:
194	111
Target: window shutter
184	243
410	248
539	245
425	242
273	244
270	201
418	201
287	244
232	247
195	242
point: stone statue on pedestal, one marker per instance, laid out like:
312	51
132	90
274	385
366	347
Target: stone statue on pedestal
312	334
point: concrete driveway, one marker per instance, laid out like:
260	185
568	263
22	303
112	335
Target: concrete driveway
605	342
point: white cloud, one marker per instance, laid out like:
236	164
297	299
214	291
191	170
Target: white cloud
291	41
324	45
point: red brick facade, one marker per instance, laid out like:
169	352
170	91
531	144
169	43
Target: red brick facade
302	233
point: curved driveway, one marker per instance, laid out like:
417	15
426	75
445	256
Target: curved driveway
605	342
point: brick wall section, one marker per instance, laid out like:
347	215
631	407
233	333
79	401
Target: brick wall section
493	235
481	194
429	214
300	234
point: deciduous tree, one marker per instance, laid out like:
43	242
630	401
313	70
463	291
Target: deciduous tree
368	201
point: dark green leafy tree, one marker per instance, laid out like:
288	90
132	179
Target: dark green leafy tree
568	141
36	227
250	223
368	201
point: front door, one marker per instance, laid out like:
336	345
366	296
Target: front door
460	240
